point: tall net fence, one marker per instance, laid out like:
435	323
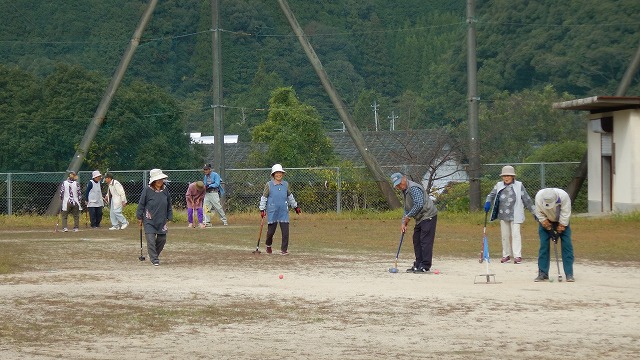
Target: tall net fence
327	189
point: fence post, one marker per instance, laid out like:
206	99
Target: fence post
338	192
144	179
542	175
9	195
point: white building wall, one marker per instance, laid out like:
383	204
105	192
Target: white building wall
626	180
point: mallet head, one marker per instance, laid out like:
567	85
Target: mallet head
141	258
393	270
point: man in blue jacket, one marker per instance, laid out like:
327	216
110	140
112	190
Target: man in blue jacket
212	184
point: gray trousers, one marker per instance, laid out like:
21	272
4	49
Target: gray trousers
212	201
74	209
155	244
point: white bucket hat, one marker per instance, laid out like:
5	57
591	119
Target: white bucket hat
508	170
95	174
156	174
277	167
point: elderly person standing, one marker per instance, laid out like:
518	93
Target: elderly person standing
93	197
70	194
418	205
117	200
195	197
213	186
274	204
553	210
154	211
509	198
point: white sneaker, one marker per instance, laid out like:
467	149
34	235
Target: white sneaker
124	226
114	228
75	229
224	223
190	225
65	229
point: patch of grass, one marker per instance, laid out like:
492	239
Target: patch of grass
32	246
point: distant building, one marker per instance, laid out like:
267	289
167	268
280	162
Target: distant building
197	138
613	151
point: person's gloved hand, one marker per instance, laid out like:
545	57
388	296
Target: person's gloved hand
546	224
560	228
263	213
298	211
487	207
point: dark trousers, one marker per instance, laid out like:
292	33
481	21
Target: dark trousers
424	234
284	229
95	216
544	254
155	244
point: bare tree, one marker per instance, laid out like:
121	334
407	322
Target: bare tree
434	158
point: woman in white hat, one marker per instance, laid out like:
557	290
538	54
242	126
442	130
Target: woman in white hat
274	204
93	197
117	200
154	211
509	197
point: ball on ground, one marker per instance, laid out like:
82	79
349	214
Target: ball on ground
281	276
436	271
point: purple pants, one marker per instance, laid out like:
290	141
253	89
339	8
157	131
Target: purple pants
190	215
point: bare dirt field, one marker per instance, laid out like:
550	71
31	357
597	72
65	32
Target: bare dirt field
86	296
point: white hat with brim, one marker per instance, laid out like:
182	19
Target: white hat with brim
549	198
95	174
156	174
277	167
508	171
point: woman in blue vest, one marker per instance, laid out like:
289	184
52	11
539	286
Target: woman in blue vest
274	204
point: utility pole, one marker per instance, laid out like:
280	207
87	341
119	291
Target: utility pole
392	120
372	163
218	123
375	113
472	98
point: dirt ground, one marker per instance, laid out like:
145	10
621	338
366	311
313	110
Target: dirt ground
329	306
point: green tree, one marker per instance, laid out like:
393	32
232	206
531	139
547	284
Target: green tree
293	132
513	126
44	120
566	151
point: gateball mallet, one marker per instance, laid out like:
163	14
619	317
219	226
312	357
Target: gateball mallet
141	258
555	249
394	269
257	250
57	221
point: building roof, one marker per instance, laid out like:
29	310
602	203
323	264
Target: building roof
390	148
598	104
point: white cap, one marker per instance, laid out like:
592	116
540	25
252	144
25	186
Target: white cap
277	167
549	198
156	174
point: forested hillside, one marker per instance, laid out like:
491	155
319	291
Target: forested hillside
409	56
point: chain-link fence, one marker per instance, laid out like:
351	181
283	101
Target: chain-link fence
329	189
